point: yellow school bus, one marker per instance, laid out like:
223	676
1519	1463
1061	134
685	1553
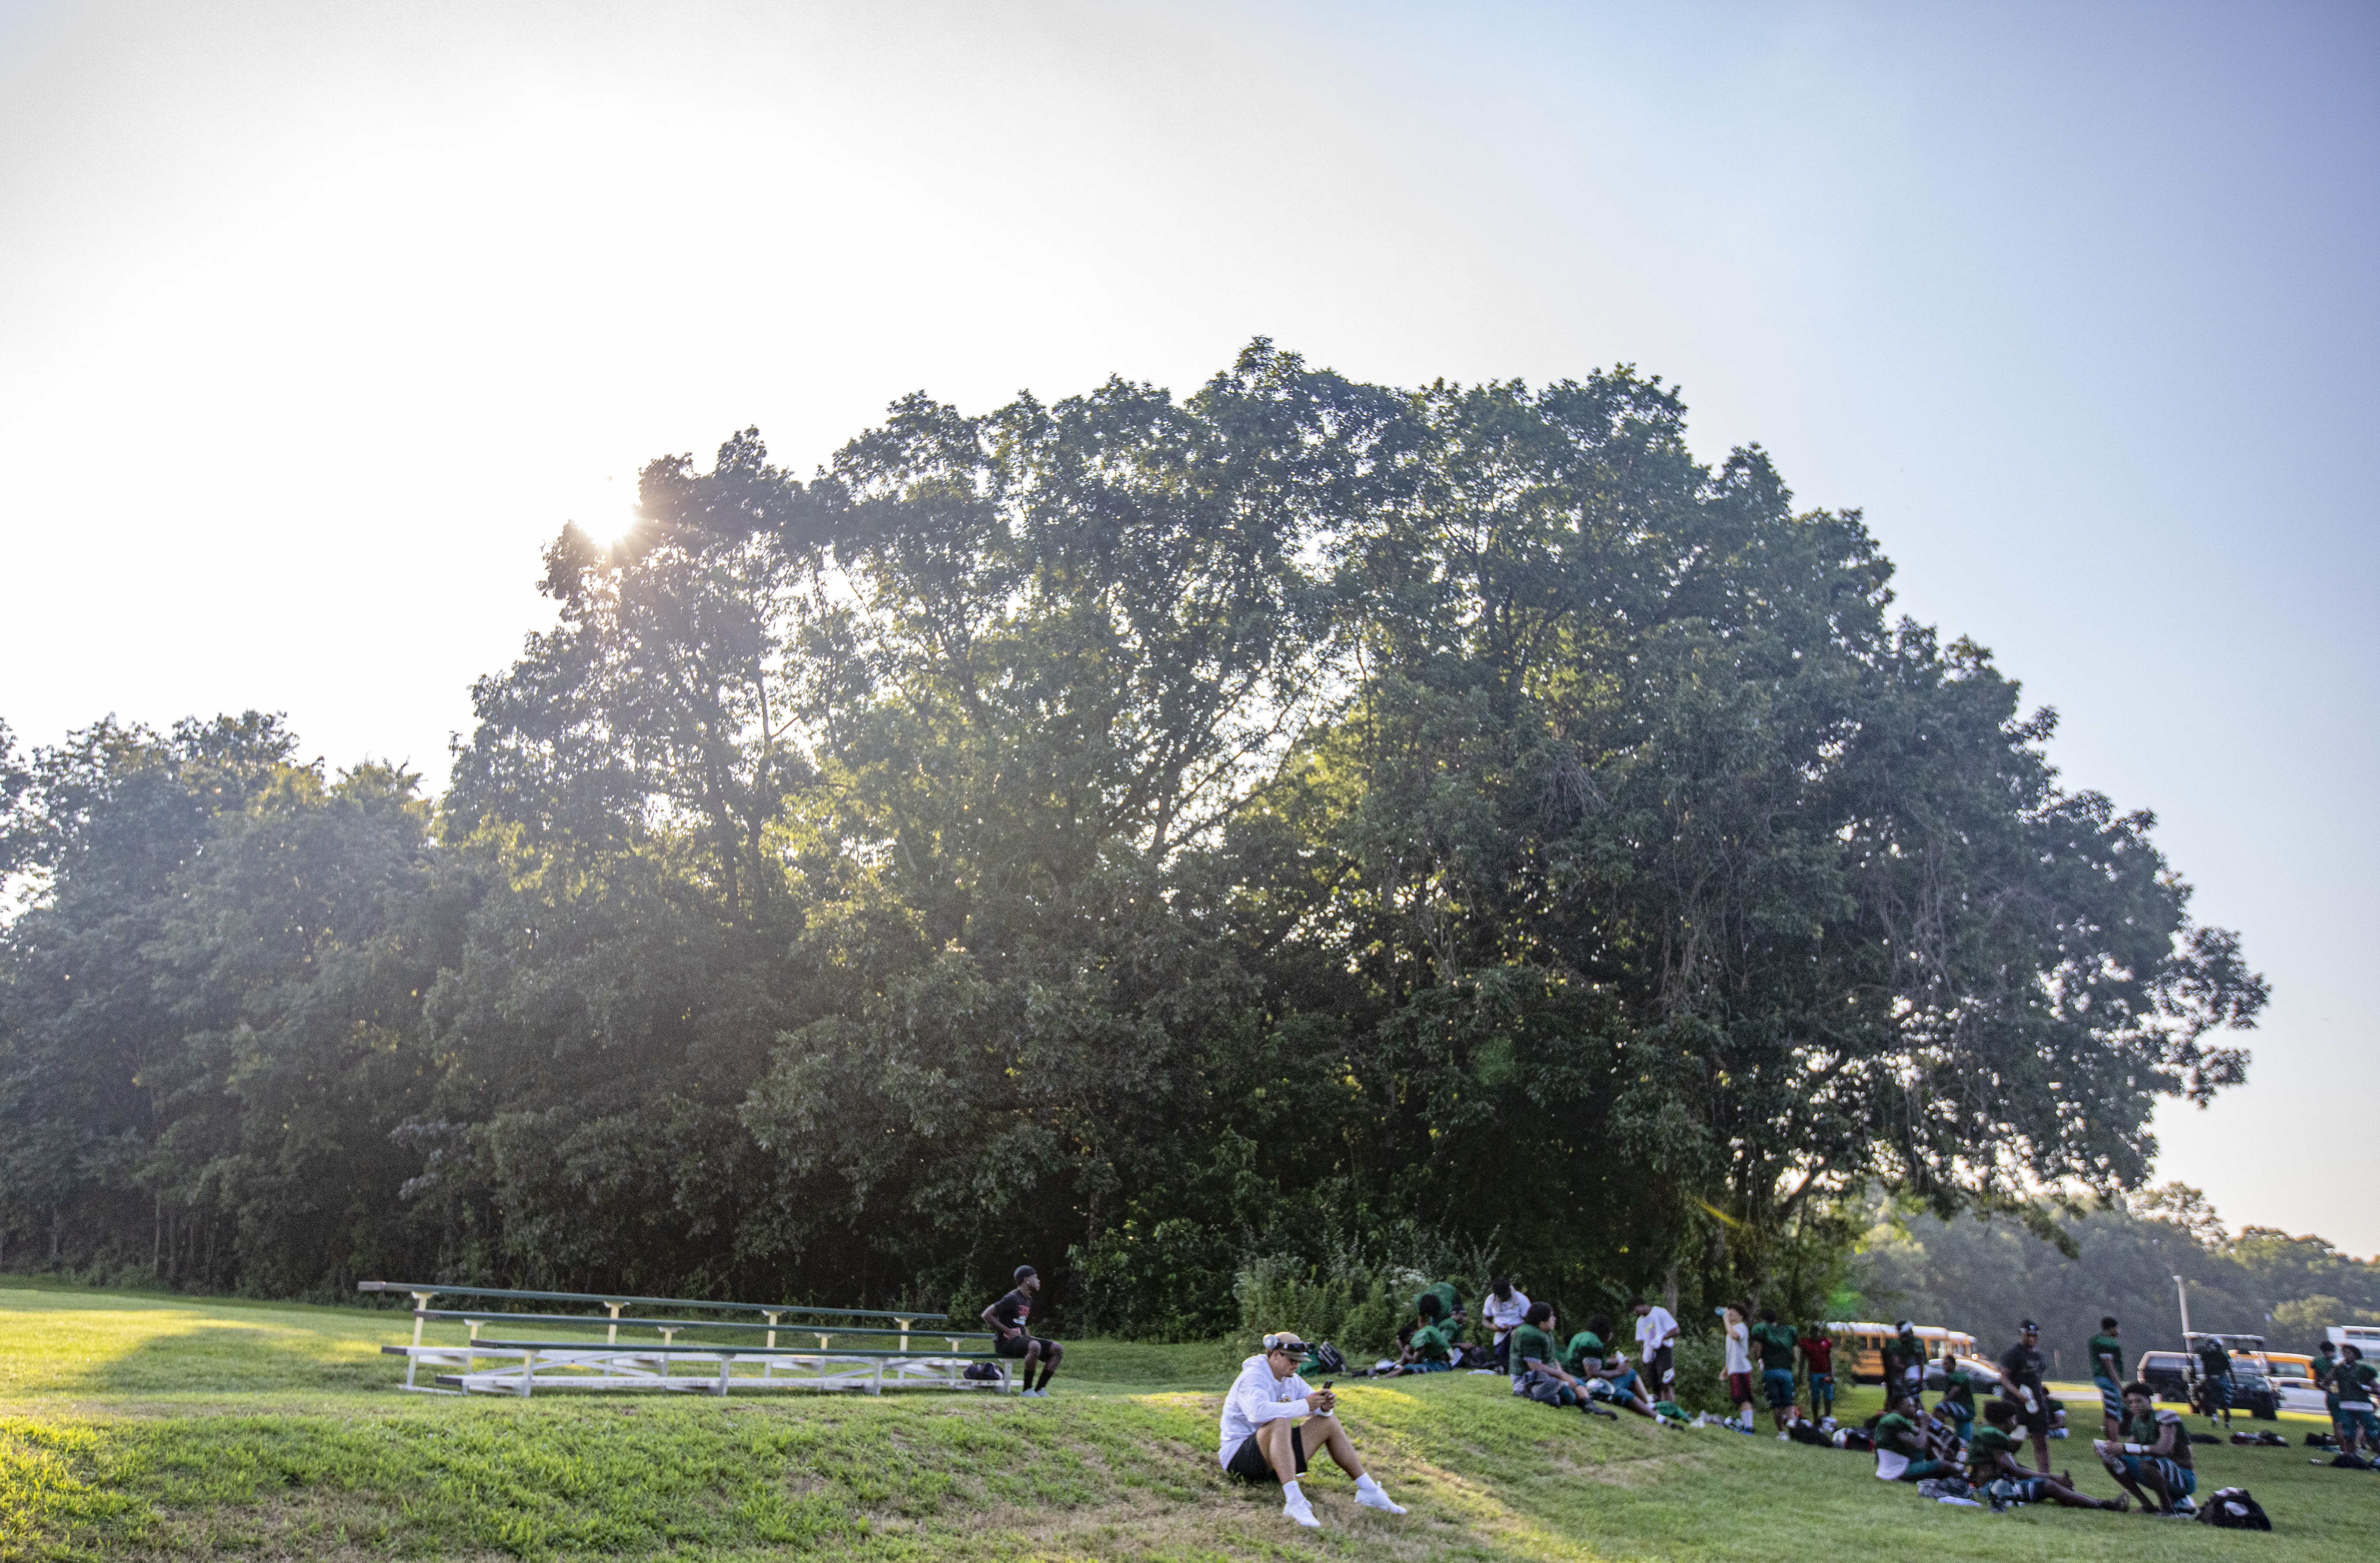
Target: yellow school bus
1861	1345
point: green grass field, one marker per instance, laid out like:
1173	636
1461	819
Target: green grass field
136	1427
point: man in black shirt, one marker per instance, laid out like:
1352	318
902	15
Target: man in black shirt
2214	1379
2021	1384
1010	1321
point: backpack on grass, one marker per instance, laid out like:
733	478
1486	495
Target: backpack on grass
2233	1509
1323	1359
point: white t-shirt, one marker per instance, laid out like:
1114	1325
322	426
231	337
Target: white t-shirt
1505	1317
1890	1464
1656	1326
1738	1348
1257	1398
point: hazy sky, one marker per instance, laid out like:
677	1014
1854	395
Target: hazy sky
317	320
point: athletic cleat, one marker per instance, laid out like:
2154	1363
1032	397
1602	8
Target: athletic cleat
1303	1512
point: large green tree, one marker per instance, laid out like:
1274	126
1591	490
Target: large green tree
1300	817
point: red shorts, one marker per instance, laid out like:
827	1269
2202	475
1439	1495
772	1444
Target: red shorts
1739	1388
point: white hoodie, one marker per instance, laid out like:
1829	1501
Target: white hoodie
1257	1397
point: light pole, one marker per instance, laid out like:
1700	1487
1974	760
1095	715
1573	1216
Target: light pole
2183	1297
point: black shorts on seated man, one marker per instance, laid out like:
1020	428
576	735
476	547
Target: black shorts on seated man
1264	1438
1011	1322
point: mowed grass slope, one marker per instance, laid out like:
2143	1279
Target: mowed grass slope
144	1427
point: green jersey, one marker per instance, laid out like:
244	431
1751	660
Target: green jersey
2150	1430
1984	1452
1958	1389
1899	1435
1449	1300
2353	1381
1531	1343
1431	1343
2322	1370
1775	1343
2106	1346
1583	1355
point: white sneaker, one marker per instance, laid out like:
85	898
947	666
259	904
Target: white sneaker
1379	1500
1303	1512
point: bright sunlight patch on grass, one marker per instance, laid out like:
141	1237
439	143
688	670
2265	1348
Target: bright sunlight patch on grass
140	1427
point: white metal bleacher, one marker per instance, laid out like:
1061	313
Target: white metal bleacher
530	1350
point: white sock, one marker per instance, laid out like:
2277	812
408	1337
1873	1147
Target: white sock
1290	1495
1365	1484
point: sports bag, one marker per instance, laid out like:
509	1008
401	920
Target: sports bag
1324	1358
2233	1509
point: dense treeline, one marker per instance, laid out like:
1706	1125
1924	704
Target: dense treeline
1133	835
1985	1275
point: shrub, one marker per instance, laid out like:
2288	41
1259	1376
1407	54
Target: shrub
1357	1307
1702	1381
1172	1282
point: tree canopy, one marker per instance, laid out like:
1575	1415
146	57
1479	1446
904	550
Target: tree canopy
1127	835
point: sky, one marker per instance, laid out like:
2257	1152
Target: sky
318	320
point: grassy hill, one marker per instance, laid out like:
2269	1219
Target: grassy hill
134	1426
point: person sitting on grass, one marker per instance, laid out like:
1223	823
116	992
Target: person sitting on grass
1263	1439
1775	1343
2107	1353
1904	1451
1993	1466
1010	1319
1819	1357
1441	1306
1585	1356
1538	1370
1426	1349
2152	1457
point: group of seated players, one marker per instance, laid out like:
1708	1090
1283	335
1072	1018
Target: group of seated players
1977	1451
2145	1449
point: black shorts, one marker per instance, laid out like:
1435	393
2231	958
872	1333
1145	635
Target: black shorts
1014	1345
1249	1464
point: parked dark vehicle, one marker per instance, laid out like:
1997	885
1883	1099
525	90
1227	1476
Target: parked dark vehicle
2253	1393
2169	1374
2174	1376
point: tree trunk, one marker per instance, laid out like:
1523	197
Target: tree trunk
1670	1290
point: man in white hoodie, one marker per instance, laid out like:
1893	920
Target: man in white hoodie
1263	1441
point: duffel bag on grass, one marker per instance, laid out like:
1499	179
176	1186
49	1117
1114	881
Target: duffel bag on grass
2233	1509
